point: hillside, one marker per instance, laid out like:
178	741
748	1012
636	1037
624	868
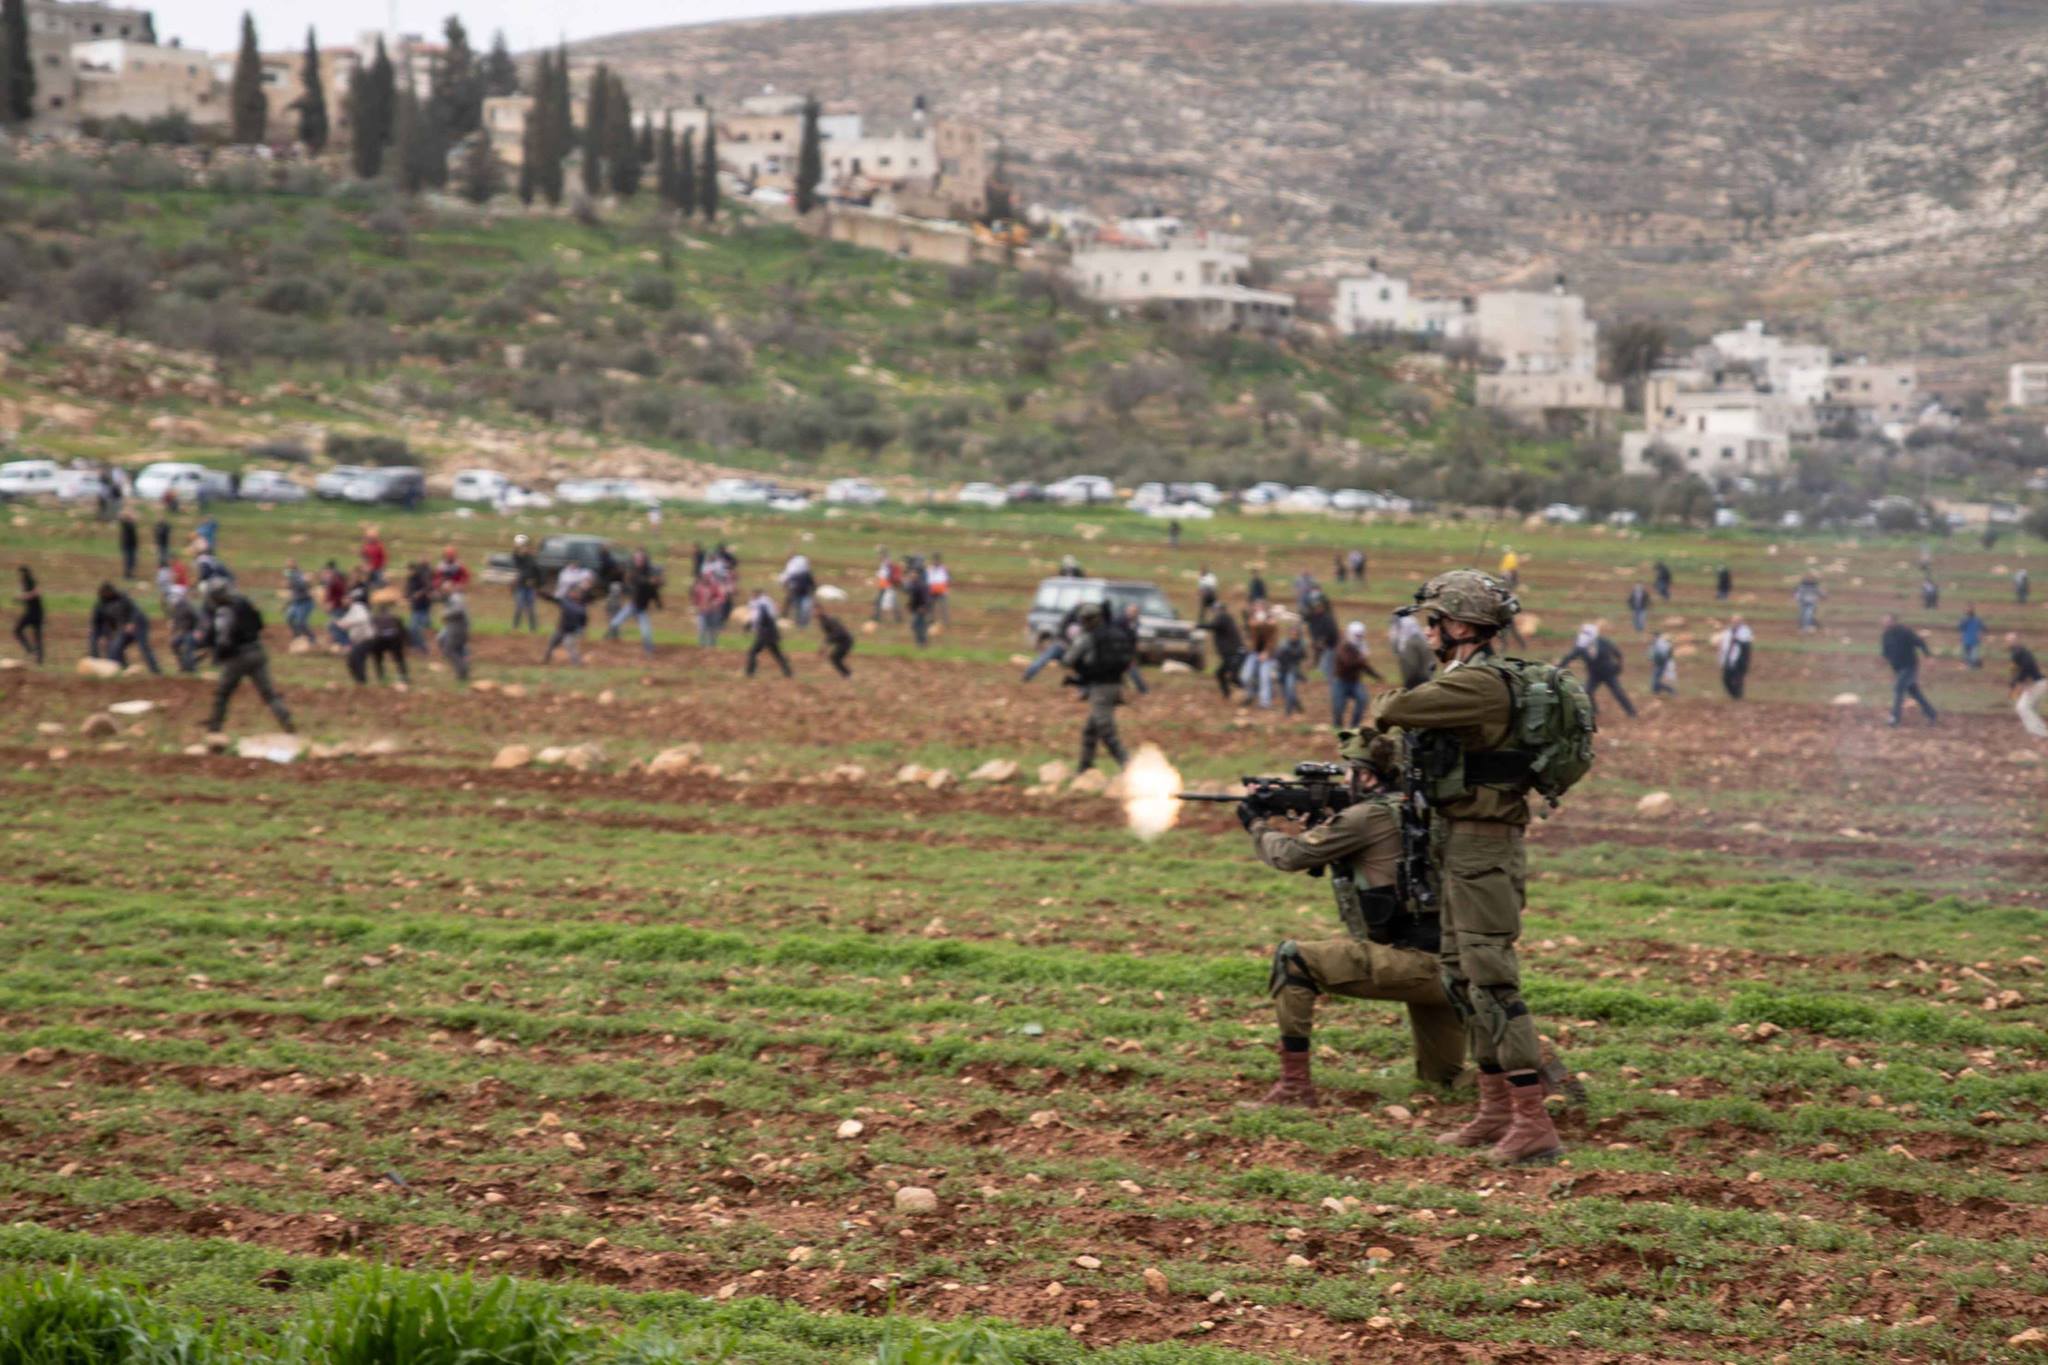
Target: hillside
1870	169
140	314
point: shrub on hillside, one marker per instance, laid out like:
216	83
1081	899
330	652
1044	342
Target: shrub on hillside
292	294
343	448
106	291
205	282
417	307
366	300
656	292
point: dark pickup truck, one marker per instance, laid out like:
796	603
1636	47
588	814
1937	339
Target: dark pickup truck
555	554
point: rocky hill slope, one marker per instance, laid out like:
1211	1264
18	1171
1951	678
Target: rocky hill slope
1870	169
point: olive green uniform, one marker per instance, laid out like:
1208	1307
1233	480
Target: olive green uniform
1103	698
1478	838
1364	839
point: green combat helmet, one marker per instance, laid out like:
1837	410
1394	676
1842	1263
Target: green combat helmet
1089	611
1379	752
1466	595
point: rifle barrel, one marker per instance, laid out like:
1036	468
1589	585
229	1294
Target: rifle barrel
1204	796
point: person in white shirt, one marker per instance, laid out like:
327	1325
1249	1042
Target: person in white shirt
939	579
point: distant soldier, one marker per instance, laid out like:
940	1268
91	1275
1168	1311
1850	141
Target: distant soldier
131	542
1481	751
237	630
2027	687
1096	662
526	584
1389	949
454	636
835	643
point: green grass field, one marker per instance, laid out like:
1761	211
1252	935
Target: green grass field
600	1031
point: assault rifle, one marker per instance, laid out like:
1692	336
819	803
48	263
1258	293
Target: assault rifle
1315	793
1416	876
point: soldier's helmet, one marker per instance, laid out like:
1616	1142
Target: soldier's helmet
1466	595
213	590
1379	752
1090	611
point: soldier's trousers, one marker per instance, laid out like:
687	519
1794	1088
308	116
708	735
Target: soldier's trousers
1101	729
251	663
1372	971
1484	890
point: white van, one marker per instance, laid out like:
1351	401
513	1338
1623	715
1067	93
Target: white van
479	485
188	481
28	478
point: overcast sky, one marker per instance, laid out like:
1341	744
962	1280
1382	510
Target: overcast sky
215	24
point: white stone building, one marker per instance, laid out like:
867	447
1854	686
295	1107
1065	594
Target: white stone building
1717	434
2027	385
1797	370
1874	393
1381	304
1192	279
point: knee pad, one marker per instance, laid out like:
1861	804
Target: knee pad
1289	970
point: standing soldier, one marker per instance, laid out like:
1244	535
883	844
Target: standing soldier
1486	732
1389	950
238	648
1096	663
525	584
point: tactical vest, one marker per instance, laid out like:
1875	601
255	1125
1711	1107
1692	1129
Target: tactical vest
1549	744
1409	925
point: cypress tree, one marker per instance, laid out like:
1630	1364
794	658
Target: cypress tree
409	142
549	123
810	160
372	100
596	137
248	111
686	173
621	152
482	176
707	183
646	144
458	95
501	73
665	164
312	99
17	66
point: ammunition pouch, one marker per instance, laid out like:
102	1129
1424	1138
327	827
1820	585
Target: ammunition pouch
1385	916
1449	773
1353	909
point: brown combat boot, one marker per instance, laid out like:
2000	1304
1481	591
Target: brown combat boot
1531	1136
1493	1118
1294	1087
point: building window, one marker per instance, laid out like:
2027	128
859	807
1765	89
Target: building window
1386	295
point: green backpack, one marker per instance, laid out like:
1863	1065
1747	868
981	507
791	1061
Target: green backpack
1553	724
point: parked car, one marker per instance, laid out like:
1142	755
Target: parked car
269	485
517	497
79	485
1623	516
1181	511
1201	491
1024	491
1356	500
736	492
330	484
1148	495
399	485
28	478
556	553
788	499
854	493
1264	493
1307	498
1564	514
981	495
189	482
478	485
1793	520
586	492
1162	634
1725	517
1081	488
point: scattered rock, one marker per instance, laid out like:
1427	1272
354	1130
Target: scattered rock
912	773
1174	666
574	1143
1399	1113
939	779
216	742
1656	805
551	756
516	691
584	757
1085	1262
607	697
848	773
2033	1339
1094	782
99	668
995	770
49	727
674	762
1053	773
278	748
99	725
333	981
1155	1282
1299	1261
299	645
850	1129
512	756
1845	699
138	707
916	1199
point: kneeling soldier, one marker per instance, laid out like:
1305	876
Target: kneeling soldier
1388	952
